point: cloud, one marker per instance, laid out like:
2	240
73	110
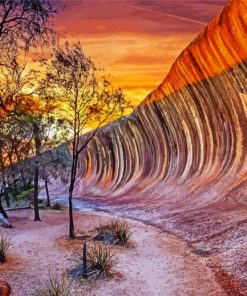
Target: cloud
135	41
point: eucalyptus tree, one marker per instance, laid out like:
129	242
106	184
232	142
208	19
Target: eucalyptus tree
84	100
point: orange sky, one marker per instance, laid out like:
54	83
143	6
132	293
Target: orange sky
135	41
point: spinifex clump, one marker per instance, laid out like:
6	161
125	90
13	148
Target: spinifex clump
5	243
115	232
54	286
96	262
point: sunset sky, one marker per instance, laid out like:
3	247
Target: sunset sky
135	41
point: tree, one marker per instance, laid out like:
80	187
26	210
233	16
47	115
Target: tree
84	102
12	134
26	21
23	23
29	115
15	145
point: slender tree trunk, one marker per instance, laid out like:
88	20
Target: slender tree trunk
36	194
47	194
71	189
7	199
16	190
4	189
23	180
6	195
36	172
71	219
84	255
2	211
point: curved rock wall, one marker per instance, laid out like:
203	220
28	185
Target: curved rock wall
179	160
191	129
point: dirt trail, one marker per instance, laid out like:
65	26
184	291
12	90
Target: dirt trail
155	264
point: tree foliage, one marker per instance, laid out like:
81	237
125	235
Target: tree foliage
25	22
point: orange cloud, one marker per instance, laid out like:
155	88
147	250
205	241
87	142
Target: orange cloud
135	41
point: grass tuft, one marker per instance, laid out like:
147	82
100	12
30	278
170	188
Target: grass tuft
5	244
115	232
99	262
54	286
57	206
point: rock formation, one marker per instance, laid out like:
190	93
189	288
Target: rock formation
5	289
179	160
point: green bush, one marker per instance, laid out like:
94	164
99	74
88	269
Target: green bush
25	194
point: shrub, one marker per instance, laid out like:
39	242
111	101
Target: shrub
57	206
115	232
99	261
101	258
54	286
5	244
26	194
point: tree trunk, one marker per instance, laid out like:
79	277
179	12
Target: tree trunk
71	187
84	256
16	189
23	180
7	199
47	194
71	220
2	211
6	195
4	189
36	194
36	172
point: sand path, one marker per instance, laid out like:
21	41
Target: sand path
155	264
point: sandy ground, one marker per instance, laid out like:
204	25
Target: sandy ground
154	263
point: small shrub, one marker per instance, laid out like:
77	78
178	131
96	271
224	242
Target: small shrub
101	258
99	261
26	194
5	244
54	286
57	206
115	232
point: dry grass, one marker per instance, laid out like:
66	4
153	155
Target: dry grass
99	262
116	232
101	258
56	206
5	244
54	286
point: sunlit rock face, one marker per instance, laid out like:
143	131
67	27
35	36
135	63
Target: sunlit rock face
179	161
190	131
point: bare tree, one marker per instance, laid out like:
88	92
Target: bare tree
84	102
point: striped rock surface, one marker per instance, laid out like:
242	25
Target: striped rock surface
179	160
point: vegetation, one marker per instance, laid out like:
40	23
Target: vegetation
23	24
115	232
54	286
96	262
5	244
42	107
83	100
57	206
